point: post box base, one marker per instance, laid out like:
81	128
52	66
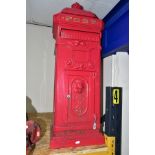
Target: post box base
76	138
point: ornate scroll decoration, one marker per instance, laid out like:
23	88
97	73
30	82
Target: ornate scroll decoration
72	65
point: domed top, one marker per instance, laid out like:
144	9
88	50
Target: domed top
77	6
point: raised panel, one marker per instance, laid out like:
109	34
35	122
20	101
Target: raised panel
80	96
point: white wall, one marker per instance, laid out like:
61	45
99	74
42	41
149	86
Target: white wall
40	62
116	73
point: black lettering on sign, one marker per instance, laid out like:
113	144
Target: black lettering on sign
115	96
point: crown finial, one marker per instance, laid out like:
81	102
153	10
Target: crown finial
77	6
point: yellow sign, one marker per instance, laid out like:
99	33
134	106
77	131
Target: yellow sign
115	95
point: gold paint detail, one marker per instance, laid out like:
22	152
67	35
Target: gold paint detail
68	18
76	19
84	20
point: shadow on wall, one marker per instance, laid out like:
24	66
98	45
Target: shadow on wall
29	107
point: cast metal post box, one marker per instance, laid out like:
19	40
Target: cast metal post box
77	78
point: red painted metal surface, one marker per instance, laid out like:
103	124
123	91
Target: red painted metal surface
77	78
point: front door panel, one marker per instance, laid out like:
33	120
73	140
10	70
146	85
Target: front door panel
80	97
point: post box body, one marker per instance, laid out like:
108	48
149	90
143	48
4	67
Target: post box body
77	79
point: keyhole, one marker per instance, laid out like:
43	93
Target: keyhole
68	96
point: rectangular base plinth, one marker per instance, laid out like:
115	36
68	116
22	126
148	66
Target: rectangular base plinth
76	138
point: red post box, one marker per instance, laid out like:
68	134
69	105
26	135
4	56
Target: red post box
77	78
